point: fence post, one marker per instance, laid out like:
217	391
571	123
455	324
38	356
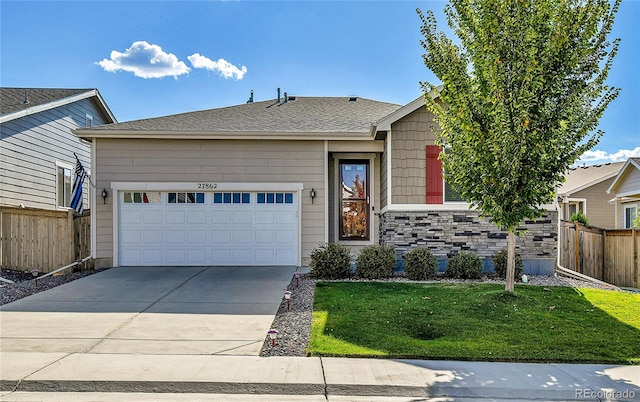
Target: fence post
634	239
576	247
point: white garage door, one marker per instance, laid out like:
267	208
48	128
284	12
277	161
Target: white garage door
208	228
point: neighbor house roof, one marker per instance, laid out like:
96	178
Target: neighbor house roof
302	116
20	102
631	163
581	177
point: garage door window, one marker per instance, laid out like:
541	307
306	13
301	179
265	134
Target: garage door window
141	198
275	198
186	198
231	198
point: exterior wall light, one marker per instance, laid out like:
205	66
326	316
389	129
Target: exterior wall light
105	194
312	194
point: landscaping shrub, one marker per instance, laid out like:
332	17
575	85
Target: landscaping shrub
420	264
330	261
466	265
580	217
376	262
500	264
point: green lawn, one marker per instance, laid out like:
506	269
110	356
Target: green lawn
475	322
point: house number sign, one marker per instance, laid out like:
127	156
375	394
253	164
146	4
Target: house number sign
207	186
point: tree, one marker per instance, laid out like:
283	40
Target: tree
520	99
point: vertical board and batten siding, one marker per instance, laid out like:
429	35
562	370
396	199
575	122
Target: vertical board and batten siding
43	240
599	211
610	255
409	138
31	146
221	161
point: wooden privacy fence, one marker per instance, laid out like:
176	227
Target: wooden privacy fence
43	240
610	255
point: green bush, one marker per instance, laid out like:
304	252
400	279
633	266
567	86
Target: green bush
466	265
330	261
500	264
580	217
376	262
420	264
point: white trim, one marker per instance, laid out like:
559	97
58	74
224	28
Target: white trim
326	191
623	214
452	206
628	194
193	186
385	123
389	184
105	132
622	172
337	157
64	165
94	203
118	187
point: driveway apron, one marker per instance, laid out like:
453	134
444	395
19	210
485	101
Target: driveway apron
150	310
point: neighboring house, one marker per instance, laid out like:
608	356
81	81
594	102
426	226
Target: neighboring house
264	183
626	191
585	190
37	161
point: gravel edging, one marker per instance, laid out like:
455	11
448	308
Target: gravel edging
294	325
25	285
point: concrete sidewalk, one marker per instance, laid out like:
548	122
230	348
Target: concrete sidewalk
91	376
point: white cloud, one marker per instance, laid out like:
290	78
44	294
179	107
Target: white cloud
602	156
223	67
146	61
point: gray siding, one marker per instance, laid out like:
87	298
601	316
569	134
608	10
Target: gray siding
31	145
631	183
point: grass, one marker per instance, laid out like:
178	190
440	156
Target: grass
475	322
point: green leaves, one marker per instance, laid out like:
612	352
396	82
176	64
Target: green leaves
524	92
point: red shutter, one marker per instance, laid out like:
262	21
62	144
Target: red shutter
434	175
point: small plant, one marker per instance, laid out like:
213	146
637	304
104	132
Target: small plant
636	222
500	264
580	217
330	261
466	265
376	262
420	264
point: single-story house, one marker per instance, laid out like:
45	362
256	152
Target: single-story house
626	191
264	183
37	146
585	190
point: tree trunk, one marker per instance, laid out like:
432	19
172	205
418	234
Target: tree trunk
511	261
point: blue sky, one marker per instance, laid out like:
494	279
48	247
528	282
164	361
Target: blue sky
154	58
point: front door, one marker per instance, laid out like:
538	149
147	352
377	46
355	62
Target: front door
354	200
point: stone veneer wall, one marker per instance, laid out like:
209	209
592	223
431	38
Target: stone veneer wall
447	233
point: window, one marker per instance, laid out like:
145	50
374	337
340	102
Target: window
629	215
141	198
451	195
88	120
64	185
275	198
231	198
354	200
185	198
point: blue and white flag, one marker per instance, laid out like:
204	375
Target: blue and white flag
76	192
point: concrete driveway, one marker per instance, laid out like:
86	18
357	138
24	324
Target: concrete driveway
150	310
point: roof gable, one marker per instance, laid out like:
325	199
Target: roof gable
20	102
631	163
583	177
296	115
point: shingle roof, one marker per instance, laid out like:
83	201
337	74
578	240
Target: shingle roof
584	176
300	114
12	99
